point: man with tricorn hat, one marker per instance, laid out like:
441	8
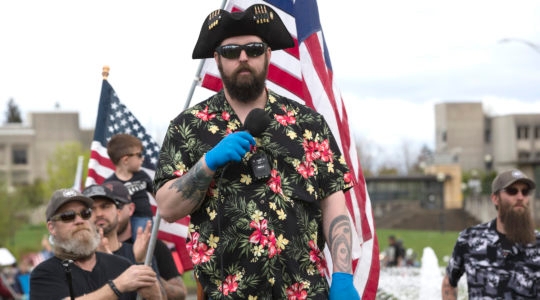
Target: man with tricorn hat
261	175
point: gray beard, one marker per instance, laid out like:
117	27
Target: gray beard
77	248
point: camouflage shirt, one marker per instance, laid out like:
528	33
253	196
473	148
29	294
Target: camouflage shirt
495	267
259	238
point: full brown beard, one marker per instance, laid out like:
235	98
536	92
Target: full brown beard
244	91
518	224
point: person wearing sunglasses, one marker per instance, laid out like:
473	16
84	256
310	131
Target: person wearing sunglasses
126	153
502	257
264	198
77	271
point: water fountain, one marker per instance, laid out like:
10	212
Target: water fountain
411	283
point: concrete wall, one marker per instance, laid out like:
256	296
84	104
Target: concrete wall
483	209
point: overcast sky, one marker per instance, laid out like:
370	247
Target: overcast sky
393	60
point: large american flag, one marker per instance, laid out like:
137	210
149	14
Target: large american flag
113	117
304	73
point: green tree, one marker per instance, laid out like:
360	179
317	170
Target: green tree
13	213
13	114
387	169
62	166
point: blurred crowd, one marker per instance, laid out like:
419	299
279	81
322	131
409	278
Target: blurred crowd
15	276
396	255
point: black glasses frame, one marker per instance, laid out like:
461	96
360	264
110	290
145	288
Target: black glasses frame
512	191
70	215
138	154
233	51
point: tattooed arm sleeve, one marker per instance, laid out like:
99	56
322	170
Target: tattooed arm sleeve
179	197
338	231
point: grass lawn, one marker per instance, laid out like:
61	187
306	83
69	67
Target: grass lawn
441	243
27	240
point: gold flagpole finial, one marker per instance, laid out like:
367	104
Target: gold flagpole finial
105	72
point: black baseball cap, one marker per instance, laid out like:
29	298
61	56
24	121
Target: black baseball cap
107	191
63	196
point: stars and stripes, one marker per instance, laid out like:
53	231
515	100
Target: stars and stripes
113	118
304	73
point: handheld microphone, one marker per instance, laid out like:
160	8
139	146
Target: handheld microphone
256	123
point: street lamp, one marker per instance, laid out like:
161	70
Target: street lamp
488	160
441	177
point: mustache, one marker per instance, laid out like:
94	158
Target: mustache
244	68
83	230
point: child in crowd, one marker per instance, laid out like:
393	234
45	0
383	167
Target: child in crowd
126	153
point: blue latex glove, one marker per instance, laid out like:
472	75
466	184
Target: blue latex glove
343	287
231	148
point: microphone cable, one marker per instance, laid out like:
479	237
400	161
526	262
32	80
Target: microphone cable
66	263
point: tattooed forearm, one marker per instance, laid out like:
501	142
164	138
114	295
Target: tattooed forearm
448	292
339	243
194	184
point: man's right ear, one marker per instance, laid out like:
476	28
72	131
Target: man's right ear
495	200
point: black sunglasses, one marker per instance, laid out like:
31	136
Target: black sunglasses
138	154
69	215
233	51
513	191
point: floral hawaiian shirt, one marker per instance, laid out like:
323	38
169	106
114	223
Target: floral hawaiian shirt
495	268
259	238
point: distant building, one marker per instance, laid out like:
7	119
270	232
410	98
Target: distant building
25	148
467	136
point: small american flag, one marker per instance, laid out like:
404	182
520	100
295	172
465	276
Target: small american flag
304	73
114	117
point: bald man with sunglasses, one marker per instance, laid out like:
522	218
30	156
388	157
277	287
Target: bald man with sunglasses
77	271
502	257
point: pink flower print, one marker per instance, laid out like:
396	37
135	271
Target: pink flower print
204	115
296	292
286	119
274	183
324	151
306	169
261	231
225	116
316	257
229	286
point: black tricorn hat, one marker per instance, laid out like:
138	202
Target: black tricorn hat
259	19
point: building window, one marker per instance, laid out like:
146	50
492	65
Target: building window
443	136
522	132
20	156
536	132
524	155
487	136
20	177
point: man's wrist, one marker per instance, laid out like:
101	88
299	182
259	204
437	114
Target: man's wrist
114	288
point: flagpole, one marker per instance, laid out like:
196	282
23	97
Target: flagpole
197	78
153	237
78	174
